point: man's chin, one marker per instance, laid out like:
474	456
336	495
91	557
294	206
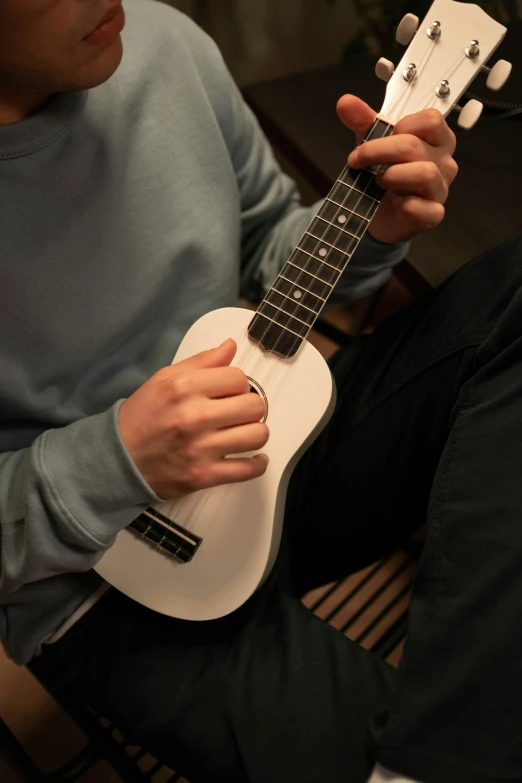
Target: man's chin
102	68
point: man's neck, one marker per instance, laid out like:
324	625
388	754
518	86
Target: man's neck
16	107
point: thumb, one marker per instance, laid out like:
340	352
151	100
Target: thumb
215	357
355	114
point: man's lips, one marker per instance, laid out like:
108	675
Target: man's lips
109	27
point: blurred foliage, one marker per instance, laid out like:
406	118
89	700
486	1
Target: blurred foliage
380	18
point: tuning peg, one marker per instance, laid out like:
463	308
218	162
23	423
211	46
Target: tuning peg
407	29
469	114
498	75
384	69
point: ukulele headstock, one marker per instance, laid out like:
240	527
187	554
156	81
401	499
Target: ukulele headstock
449	48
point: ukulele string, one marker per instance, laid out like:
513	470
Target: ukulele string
304	270
322	260
296	283
353	215
396	106
180	504
272	377
434	97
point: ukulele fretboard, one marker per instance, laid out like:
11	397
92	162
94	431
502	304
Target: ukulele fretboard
300	291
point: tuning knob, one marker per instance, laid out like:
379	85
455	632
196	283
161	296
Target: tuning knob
407	29
498	75
384	69
469	114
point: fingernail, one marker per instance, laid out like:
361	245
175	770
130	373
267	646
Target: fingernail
228	340
353	159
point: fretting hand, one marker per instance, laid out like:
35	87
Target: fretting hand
419	154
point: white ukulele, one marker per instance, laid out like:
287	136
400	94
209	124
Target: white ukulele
202	556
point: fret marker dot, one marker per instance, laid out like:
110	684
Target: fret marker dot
342	219
323	251
297	294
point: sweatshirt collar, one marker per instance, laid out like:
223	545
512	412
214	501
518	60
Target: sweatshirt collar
43	127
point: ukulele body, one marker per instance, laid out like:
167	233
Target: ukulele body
239	525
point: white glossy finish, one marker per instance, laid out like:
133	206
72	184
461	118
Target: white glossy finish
407	28
240	523
440	59
384	69
470	114
499	75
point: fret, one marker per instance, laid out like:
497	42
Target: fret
324	252
357	190
323	273
299	299
307	281
279	317
296	310
354	200
342	220
362	180
291	306
337	228
318	259
323	241
283	328
289	286
344	208
265	303
274	337
323	231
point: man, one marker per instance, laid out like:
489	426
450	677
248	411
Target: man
135	199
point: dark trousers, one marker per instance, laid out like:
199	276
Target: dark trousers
428	428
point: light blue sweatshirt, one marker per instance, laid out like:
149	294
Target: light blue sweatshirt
126	213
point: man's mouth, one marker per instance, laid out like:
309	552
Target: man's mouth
109	27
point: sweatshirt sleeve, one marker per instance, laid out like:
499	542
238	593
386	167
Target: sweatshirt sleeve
272	216
273	219
64	499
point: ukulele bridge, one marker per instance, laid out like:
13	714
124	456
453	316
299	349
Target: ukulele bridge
173	539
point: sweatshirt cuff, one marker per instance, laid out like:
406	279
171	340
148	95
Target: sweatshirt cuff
90	479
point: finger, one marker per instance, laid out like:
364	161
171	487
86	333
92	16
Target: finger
393	149
430	126
422	179
355	114
216	382
236	469
234	440
221	356
423	214
232	411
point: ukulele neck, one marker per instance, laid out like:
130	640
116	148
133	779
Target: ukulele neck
302	288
